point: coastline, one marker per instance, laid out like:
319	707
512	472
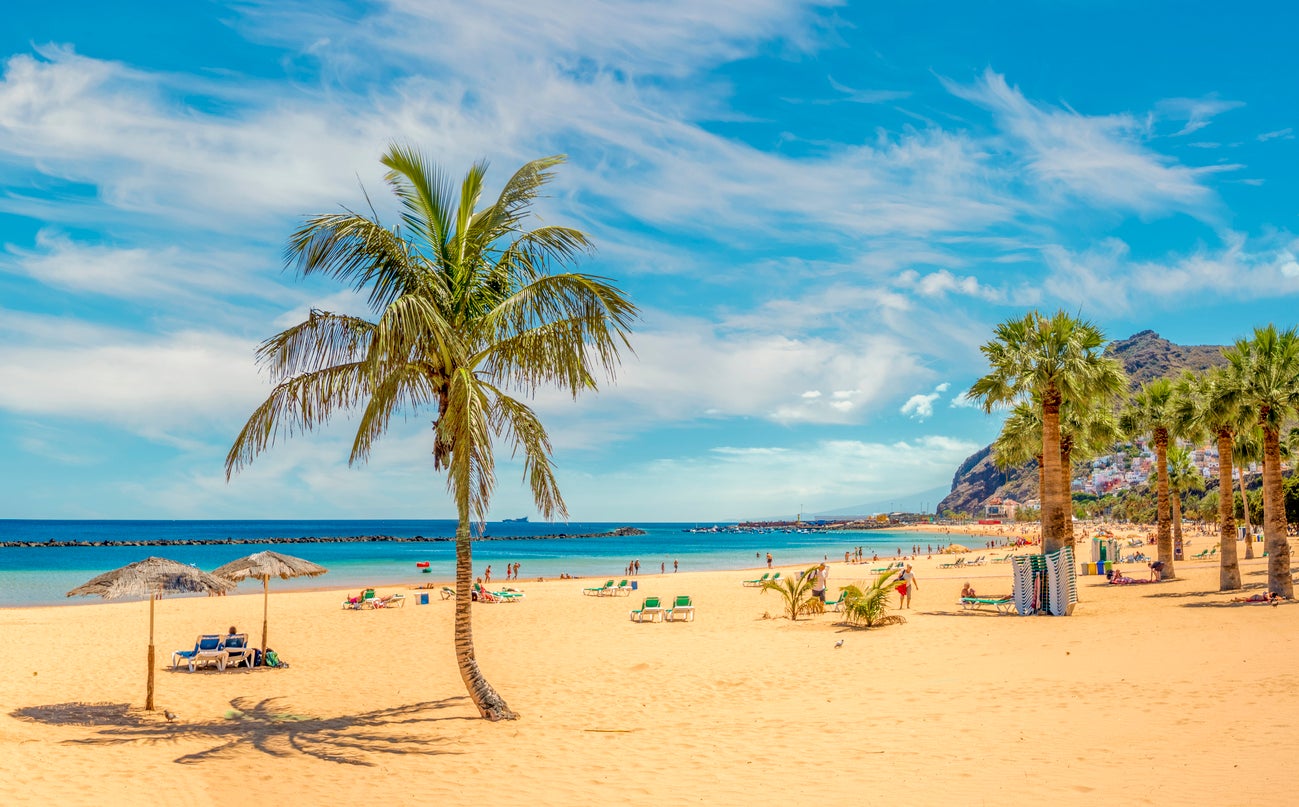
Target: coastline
953	706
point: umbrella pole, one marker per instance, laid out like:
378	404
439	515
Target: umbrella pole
148	700
266	594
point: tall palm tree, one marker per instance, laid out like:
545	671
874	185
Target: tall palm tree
1207	406
1085	431
1046	361
1268	369
1151	412
469	308
1247	451
1183	476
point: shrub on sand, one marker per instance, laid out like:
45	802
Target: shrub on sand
794	591
869	606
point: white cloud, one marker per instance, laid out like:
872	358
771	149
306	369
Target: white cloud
757	481
1196	112
1099	159
1283	134
921	406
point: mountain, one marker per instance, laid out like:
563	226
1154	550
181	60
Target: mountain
1145	356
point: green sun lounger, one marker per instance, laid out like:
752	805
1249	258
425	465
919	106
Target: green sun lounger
756	582
1004	605
652	608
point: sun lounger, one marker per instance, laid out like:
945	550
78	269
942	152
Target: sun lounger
888	568
757	581
651	608
623	588
1004	559
1004	605
979	561
598	591
360	601
683	609
835	605
208	650
954	564
206	642
391	601
448	593
237	650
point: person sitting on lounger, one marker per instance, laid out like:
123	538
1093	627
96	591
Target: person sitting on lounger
968	591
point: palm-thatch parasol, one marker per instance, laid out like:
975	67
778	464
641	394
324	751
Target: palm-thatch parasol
151	577
264	566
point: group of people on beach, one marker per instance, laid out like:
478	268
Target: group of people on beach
511	572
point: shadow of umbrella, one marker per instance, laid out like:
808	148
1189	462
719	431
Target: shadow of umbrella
263	566
151	577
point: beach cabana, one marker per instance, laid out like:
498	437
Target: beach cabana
263	566
151	577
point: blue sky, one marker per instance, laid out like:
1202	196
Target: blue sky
822	210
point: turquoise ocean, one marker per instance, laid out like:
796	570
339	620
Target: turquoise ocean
43	575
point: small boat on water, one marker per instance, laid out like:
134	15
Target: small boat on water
519	520
423	566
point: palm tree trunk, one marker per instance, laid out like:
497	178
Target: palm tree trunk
148	696
1175	499
1279	579
1249	528
1066	482
1165	540
1052	497
490	704
1229	570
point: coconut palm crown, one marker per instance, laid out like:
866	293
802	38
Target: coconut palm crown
469	312
1046	361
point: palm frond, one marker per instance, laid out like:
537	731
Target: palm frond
321	340
465	426
426	195
358	252
404	388
298	404
518	425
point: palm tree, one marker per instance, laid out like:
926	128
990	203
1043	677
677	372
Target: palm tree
1248	450
1151	412
1047	361
795	591
1085	431
1183	476
1207	405
869	606
469	308
1268	369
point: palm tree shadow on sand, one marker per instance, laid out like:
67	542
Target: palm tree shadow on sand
268	726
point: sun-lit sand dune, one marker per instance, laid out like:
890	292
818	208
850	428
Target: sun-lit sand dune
1159	694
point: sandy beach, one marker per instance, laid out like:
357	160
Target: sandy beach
1159	694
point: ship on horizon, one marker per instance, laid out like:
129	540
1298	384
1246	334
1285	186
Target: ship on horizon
519	520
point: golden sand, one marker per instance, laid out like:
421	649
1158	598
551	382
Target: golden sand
1160	694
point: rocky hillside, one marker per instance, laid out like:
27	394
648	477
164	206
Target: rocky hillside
1145	356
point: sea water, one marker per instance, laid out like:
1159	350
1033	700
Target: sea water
43	575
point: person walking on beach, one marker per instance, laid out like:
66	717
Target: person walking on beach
906	582
768	560
822	578
487	575
676	566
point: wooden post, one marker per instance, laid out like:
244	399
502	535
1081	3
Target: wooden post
148	700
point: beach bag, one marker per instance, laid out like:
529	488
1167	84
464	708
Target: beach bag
273	659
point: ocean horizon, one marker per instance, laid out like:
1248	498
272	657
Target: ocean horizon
42	575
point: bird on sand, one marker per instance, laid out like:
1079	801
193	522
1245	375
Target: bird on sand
171	716
839	643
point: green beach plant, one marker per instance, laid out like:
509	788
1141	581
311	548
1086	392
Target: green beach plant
795	591
471	308
869	606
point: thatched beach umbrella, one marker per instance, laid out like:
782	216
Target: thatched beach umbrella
151	577
263	566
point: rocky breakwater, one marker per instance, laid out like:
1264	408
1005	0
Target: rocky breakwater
322	539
